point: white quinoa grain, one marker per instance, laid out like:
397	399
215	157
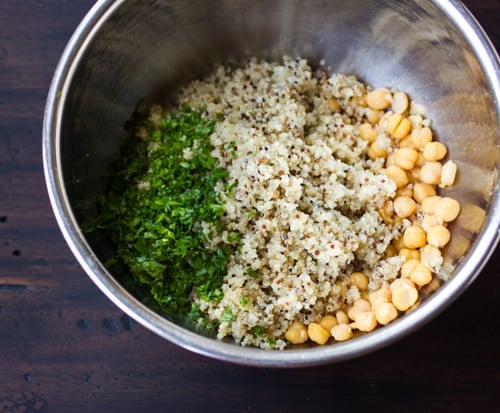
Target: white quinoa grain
316	195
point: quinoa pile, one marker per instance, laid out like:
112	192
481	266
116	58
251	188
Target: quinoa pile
306	199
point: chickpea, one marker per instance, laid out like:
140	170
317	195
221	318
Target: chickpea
376	298
431	257
403	129
422	191
405	191
366	321
404	295
430	173
373	116
358	306
447	209
400	102
385	313
428	222
368	132
438	236
408	267
375	151
327	322
434	151
404	206
448	174
341	332
317	333
414	237
359	279
379	99
342	317
405	158
297	333
397	174
406	143
421	136
429	204
421	275
409	254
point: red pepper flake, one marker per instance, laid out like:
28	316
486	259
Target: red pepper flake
316	252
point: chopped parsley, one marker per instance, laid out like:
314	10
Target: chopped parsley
157	199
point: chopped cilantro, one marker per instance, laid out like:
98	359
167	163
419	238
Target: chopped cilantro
251	272
258	331
156	201
244	301
228	316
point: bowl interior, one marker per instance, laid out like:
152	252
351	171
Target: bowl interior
134	50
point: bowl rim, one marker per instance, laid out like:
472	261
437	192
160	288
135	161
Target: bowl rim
466	272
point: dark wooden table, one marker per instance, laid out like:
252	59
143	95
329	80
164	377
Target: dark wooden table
64	347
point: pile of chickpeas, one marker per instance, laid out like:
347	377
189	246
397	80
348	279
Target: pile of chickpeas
416	164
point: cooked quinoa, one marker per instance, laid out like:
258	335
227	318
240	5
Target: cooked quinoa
306	199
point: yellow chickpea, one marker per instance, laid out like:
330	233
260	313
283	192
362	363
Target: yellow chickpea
448	174
366	321
421	136
297	333
429	204
327	322
431	257
377	297
404	206
373	116
385	313
400	102
447	209
430	173
368	132
408	267
404	294
421	275
434	151
379	99
341	332
359	279
358	307
397	174
428	222
409	254
414	237
422	190
342	317
438	236
375	151
405	191
317	333
405	158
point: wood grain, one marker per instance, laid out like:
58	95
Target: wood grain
64	347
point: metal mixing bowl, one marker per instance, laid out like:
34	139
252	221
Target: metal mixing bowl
126	50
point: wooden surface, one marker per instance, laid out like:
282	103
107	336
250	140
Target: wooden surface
64	347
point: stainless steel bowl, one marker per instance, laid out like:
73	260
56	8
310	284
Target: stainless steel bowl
126	50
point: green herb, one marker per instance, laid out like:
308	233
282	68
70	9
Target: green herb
158	197
228	316
251	272
258	331
251	214
244	301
